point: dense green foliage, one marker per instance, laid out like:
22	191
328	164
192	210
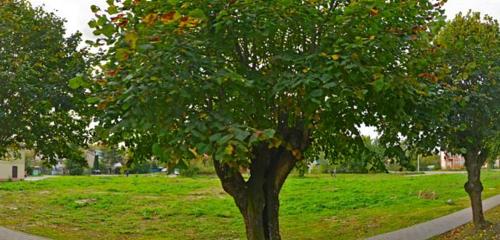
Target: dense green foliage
38	110
372	160
462	113
471	66
76	166
153	207
140	167
196	77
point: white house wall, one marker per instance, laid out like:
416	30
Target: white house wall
6	169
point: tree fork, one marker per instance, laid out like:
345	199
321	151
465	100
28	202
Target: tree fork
269	170
258	198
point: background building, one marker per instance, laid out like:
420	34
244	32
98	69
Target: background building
450	161
12	166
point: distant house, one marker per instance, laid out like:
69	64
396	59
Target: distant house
13	167
454	161
451	161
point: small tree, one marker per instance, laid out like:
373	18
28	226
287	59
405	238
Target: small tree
76	165
258	84
471	66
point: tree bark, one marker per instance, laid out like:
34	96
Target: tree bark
269	169
258	197
262	216
474	160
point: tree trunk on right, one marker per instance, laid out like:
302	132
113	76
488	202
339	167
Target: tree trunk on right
473	163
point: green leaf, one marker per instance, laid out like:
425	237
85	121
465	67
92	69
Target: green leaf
93	100
157	150
220	154
240	134
122	54
125	106
77	82
112	10
108	30
203	148
197	13
92	23
330	85
316	93
215	137
269	133
131	39
94	8
229	149
378	85
225	139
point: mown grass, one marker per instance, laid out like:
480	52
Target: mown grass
159	207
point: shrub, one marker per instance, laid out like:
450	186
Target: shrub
190	171
76	166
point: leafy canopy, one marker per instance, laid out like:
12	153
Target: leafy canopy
471	61
38	110
181	79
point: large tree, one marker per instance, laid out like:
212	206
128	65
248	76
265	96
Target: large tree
471	68
258	84
38	110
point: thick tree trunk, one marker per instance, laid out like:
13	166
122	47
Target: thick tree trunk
268	171
474	187
271	217
261	217
258	197
254	217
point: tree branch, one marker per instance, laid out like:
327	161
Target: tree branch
232	182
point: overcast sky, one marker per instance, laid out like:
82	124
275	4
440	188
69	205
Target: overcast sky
78	14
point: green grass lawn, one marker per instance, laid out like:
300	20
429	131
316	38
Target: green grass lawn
158	207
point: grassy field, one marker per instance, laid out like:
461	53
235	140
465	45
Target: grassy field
158	207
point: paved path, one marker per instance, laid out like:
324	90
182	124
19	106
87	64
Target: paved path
444	172
33	179
437	226
6	234
428	173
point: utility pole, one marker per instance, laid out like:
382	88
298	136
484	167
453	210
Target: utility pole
418	163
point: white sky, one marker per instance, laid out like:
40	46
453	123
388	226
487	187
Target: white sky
78	14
